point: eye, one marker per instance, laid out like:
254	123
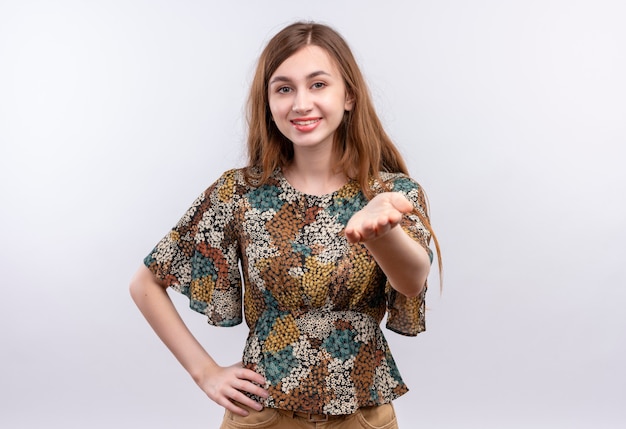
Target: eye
283	90
318	85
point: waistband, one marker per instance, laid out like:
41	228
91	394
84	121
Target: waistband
310	417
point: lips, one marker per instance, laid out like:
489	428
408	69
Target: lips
305	124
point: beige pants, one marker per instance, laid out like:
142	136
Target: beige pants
381	417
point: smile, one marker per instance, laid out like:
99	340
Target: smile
305	122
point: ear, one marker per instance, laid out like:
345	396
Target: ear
349	104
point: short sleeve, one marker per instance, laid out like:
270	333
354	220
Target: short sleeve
199	257
406	315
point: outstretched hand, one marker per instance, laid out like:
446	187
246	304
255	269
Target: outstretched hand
378	217
227	384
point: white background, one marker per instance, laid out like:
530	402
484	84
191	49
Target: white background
115	115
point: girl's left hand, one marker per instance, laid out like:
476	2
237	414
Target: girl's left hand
378	217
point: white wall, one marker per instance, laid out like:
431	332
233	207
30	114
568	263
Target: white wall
115	114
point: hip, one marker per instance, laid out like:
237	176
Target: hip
376	417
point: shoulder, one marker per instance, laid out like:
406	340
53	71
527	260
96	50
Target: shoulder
409	187
250	177
239	183
231	183
399	182
234	175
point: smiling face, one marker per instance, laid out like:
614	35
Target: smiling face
308	98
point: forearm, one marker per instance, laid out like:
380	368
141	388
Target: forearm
227	386
156	306
403	260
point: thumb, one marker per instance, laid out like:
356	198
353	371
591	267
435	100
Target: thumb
401	203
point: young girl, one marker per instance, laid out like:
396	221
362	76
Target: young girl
330	234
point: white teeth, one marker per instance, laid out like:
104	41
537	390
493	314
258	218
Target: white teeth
312	121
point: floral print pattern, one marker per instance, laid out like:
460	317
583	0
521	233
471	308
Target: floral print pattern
313	301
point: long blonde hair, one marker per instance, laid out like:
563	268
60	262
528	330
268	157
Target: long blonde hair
364	147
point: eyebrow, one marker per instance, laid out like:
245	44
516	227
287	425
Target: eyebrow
309	76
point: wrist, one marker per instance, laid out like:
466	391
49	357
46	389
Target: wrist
385	242
203	370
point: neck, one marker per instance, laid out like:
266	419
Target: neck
313	173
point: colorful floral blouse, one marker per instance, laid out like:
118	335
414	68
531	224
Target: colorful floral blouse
313	301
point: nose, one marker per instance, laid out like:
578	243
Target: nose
301	103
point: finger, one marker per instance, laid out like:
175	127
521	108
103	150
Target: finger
232	407
243	401
401	203
246	386
367	229
392	219
352	235
370	229
248	374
